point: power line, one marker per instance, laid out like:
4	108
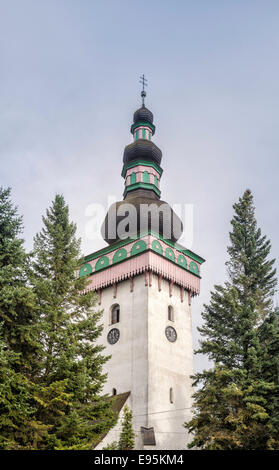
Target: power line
164	411
181	419
166	432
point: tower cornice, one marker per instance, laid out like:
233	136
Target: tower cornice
121	243
146	253
135	186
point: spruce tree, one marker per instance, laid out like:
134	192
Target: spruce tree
127	435
17	300
14	399
70	379
18	327
269	339
232	404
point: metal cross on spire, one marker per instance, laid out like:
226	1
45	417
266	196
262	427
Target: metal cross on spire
143	81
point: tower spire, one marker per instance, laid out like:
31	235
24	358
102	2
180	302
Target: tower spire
143	81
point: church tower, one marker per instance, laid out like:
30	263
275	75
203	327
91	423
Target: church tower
145	284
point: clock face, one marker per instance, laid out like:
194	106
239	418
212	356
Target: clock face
113	336
171	334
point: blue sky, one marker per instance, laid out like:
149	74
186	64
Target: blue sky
69	86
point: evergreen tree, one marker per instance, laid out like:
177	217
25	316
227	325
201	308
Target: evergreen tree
18	346
69	380
232	404
269	339
14	400
17	301
112	446
127	435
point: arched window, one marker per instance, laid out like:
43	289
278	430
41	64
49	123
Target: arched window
115	314
133	178
170	313
114	392
171	395
145	177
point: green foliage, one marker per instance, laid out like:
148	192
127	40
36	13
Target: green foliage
17	301
69	377
112	446
236	402
18	346
15	407
51	375
127	435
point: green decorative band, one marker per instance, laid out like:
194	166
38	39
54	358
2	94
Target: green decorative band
192	255
169	254
134	163
106	250
101	263
181	260
85	270
193	267
140	124
121	243
138	247
132	187
156	246
119	255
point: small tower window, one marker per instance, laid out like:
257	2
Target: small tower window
145	177
143	133
149	135
133	178
171	395
170	313
115	314
114	392
137	134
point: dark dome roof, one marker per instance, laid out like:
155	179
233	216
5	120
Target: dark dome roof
168	219
142	149
143	114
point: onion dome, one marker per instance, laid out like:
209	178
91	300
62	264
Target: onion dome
143	114
160	218
142	149
142	174
143	118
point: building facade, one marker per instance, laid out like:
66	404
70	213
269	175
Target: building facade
145	283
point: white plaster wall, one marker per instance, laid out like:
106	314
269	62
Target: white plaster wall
145	363
170	366
128	367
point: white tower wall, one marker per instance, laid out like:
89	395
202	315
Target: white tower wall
145	363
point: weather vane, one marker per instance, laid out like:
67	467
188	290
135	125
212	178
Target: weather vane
143	81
